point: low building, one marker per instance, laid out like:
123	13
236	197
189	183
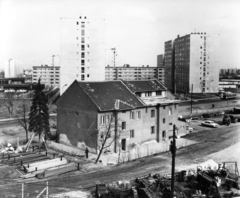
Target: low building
139	111
16	85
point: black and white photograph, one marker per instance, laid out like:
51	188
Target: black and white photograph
119	99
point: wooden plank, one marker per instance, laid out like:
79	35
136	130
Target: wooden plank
45	166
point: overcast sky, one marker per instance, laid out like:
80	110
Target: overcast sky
30	29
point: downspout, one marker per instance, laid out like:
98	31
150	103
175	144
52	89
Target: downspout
116	130
158	122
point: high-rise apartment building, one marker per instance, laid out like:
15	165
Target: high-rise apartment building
160	60
168	64
195	66
50	75
12	68
82	55
134	73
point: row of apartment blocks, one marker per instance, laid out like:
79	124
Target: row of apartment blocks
191	63
50	75
134	73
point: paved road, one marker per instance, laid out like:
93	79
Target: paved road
211	141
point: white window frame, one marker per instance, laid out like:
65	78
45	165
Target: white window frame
138	115
132	133
132	115
102	119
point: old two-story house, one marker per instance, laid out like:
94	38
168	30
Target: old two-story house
134	111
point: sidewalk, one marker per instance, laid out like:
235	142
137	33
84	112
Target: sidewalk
143	150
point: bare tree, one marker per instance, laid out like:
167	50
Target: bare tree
106	135
22	116
7	102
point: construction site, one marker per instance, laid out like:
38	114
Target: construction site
42	168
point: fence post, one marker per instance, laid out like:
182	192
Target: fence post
22	190
47	189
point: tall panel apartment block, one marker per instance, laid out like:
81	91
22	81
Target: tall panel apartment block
195	63
82	51
169	64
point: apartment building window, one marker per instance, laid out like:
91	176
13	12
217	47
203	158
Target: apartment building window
83	40
152	113
132	115
123	125
102	120
139	115
83	32
164	120
82	55
131	133
152	129
82	47
82	77
82	62
82	70
77	38
77	22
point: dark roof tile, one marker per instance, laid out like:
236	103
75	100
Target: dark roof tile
105	94
145	85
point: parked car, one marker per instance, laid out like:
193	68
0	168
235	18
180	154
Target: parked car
180	117
209	124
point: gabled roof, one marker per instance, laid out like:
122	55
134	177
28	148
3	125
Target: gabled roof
104	95
145	85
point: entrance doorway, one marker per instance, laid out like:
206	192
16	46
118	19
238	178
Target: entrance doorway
124	144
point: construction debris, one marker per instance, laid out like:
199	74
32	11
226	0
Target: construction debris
200	182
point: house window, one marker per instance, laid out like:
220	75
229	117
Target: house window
163	107
102	120
146	110
164	120
163	134
139	115
158	93
152	113
131	133
170	111
123	125
152	129
132	115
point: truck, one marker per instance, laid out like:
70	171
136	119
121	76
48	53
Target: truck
228	95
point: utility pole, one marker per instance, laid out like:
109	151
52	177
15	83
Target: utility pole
173	151
191	99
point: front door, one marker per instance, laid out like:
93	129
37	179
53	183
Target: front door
124	144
